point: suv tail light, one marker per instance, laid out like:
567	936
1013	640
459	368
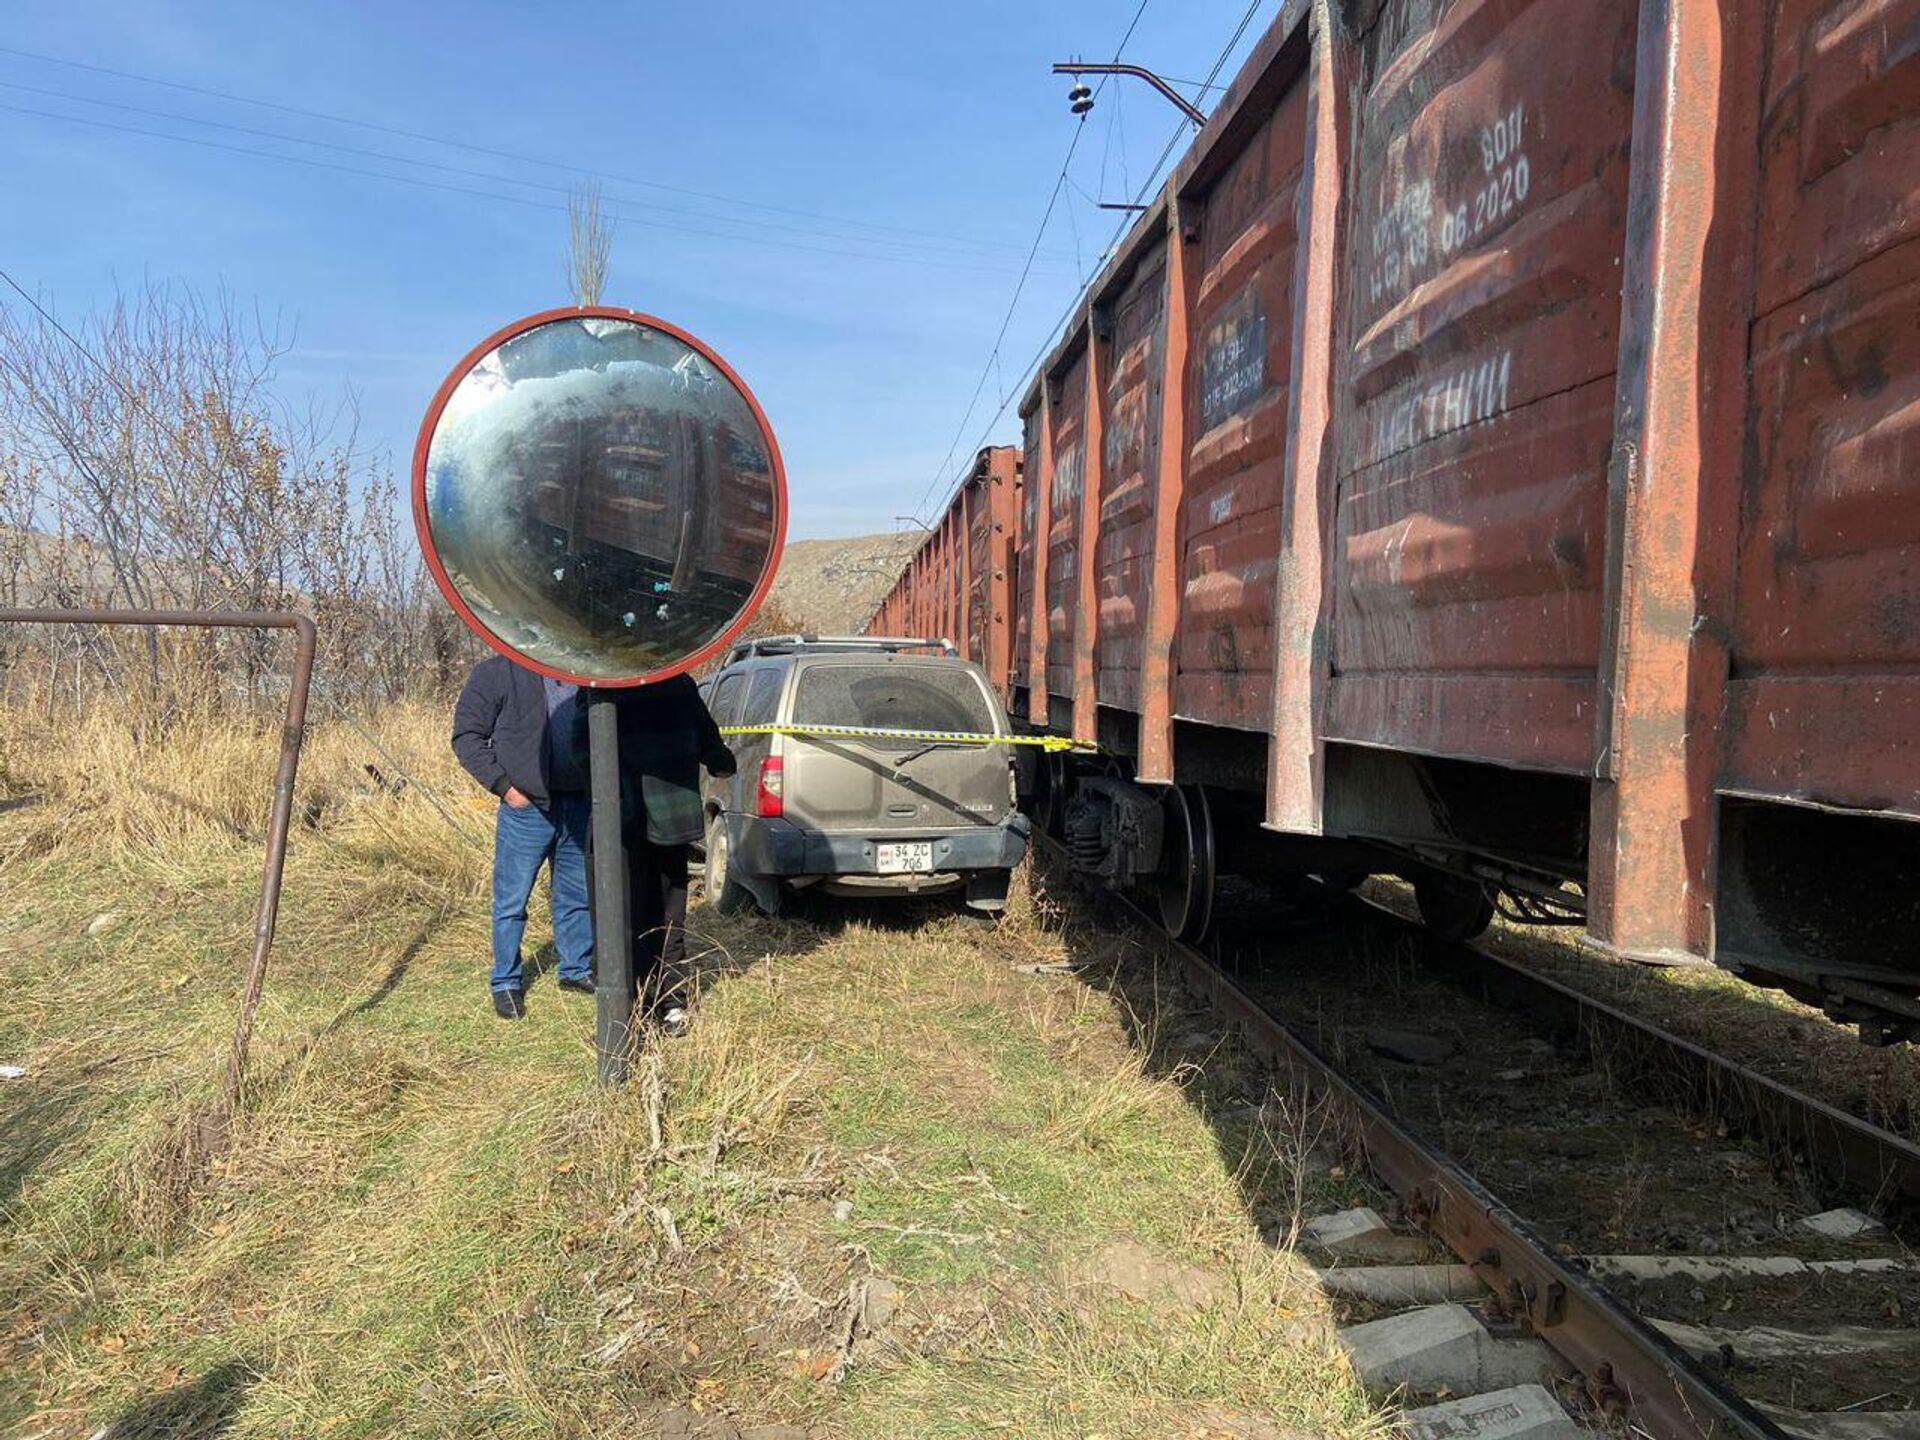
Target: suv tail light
773	785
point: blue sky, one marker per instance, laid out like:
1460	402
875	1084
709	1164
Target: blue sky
921	140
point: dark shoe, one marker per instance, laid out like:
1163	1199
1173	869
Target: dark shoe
510	1004
568	982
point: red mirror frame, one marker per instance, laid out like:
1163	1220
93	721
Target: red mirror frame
425	533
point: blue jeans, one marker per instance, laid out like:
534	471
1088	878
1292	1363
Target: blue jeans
523	841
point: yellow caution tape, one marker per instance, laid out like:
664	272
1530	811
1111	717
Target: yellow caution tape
1053	743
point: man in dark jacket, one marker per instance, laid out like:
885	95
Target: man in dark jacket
666	735
523	737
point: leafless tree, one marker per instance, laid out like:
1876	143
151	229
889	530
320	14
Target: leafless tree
589	244
145	460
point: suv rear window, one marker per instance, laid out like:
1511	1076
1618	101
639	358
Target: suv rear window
892	697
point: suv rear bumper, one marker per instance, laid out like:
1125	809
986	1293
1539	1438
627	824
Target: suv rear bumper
779	849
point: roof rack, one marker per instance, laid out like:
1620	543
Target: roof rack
792	644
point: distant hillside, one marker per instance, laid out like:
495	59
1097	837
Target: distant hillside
824	586
37	569
829	587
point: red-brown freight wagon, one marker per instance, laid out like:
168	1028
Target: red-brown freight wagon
670	486
1495	458
958	585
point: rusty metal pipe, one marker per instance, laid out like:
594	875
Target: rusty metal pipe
1187	108
293	731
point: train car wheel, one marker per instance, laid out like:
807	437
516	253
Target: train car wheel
1187	869
1050	795
1452	908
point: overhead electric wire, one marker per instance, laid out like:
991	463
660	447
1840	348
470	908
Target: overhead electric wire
100	366
72	339
62	431
421	181
1073	228
1082	191
962	247
1201	85
519	158
993	356
70	442
1005	320
1126	221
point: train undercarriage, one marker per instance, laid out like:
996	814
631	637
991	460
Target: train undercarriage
1472	843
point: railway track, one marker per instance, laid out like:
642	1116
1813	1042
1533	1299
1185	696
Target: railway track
1517	1156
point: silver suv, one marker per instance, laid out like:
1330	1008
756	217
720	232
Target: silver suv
860	815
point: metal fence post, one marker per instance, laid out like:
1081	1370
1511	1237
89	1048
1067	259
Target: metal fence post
267	910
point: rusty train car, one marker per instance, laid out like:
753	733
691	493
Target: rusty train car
1495	459
663	486
959	583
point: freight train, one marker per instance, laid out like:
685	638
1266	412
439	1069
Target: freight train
1494	459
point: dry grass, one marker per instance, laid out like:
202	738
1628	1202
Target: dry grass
425	1222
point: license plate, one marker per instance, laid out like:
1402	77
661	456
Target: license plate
906	857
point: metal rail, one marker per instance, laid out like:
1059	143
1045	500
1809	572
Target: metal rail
1628	1366
1843	1147
292	732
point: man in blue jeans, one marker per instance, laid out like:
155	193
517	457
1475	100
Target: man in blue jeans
523	736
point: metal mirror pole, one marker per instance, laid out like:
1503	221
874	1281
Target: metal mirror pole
612	912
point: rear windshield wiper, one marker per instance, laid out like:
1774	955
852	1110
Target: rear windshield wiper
931	745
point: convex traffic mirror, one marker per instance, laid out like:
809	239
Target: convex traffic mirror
599	496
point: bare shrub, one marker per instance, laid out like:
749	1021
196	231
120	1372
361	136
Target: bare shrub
146	462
